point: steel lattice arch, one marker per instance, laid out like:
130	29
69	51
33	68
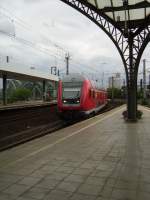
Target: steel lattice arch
129	34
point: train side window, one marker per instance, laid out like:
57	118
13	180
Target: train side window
93	94
101	95
90	92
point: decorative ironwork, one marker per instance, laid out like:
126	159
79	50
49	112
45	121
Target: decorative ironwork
130	41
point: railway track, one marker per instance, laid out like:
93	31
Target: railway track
23	125
20	125
29	134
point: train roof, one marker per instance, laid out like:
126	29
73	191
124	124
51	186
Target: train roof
74	78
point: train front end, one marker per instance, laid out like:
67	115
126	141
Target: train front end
70	96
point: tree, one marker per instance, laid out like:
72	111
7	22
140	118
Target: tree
20	94
117	93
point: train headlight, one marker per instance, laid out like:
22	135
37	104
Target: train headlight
78	101
64	101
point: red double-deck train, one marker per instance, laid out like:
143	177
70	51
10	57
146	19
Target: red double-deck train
79	96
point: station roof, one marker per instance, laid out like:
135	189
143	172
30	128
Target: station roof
31	74
120	11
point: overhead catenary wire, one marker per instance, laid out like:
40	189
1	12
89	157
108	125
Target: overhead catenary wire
36	46
30	44
10	15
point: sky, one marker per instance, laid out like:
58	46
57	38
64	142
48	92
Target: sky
39	33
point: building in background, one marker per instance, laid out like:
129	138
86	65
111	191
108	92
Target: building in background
115	81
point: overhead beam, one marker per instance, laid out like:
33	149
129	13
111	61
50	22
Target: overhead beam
132	24
113	11
143	4
96	4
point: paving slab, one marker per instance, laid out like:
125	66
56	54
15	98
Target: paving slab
102	158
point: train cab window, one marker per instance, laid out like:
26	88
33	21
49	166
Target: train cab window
71	93
72	90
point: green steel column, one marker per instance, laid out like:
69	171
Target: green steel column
4	89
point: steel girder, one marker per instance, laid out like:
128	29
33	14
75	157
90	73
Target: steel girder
129	42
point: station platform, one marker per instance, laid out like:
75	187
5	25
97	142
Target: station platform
28	104
102	158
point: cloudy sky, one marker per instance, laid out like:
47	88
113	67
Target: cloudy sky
40	32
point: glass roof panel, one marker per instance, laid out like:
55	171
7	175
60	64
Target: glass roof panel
131	2
110	15
148	11
137	15
116	9
92	2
